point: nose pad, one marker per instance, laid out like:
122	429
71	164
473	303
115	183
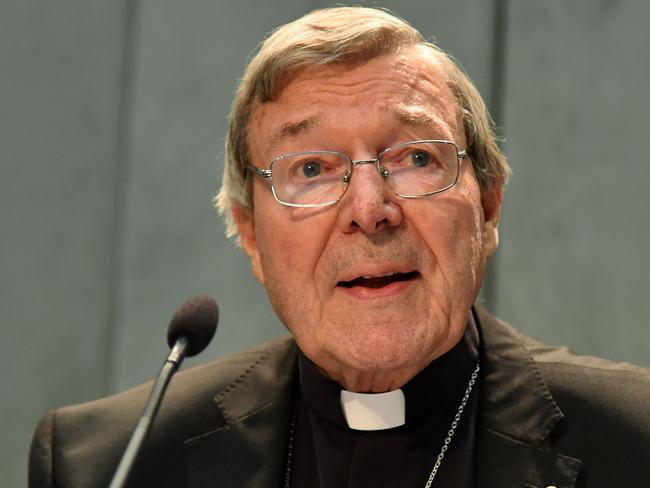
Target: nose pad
368	189
347	177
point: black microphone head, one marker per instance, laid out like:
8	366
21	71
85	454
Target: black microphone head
197	320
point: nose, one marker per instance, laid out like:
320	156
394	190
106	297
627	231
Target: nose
368	204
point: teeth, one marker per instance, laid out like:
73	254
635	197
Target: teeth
391	273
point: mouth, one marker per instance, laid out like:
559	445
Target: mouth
379	281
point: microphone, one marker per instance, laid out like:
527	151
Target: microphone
190	331
197	320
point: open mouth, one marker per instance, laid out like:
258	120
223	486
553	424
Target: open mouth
379	281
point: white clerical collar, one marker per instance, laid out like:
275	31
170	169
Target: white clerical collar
373	411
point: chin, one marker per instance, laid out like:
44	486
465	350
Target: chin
377	355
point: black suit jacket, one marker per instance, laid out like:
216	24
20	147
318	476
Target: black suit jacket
546	418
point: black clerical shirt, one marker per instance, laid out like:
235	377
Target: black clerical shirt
328	454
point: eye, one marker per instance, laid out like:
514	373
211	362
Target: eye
420	158
311	169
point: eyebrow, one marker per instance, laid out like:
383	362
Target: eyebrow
422	119
292	129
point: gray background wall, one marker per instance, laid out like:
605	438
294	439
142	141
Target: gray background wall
112	117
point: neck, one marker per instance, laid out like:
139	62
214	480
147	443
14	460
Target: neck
374	381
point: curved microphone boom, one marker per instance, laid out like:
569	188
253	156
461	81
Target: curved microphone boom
190	331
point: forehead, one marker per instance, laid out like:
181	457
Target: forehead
409	87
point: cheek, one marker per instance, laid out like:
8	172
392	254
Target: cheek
291	242
290	246
468	238
452	231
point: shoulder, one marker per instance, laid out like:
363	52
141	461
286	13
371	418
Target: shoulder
606	411
569	376
610	401
190	389
71	437
604	386
603	405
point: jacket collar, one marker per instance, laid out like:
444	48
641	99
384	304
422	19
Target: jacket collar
516	416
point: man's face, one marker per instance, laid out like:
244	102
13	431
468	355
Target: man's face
426	255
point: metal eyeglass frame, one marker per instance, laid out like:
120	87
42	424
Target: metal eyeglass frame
267	174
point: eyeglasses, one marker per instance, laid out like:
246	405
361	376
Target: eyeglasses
319	178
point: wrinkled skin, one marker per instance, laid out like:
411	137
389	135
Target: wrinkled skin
369	339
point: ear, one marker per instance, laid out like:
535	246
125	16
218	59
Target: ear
245	222
491	198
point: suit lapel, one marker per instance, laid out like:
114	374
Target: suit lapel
249	449
516	416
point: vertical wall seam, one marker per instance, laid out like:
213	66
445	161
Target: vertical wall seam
123	166
496	104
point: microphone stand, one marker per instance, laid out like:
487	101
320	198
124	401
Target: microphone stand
168	369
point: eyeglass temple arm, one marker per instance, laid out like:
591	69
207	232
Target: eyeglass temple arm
264	173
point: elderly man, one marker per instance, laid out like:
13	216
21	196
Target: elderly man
364	182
